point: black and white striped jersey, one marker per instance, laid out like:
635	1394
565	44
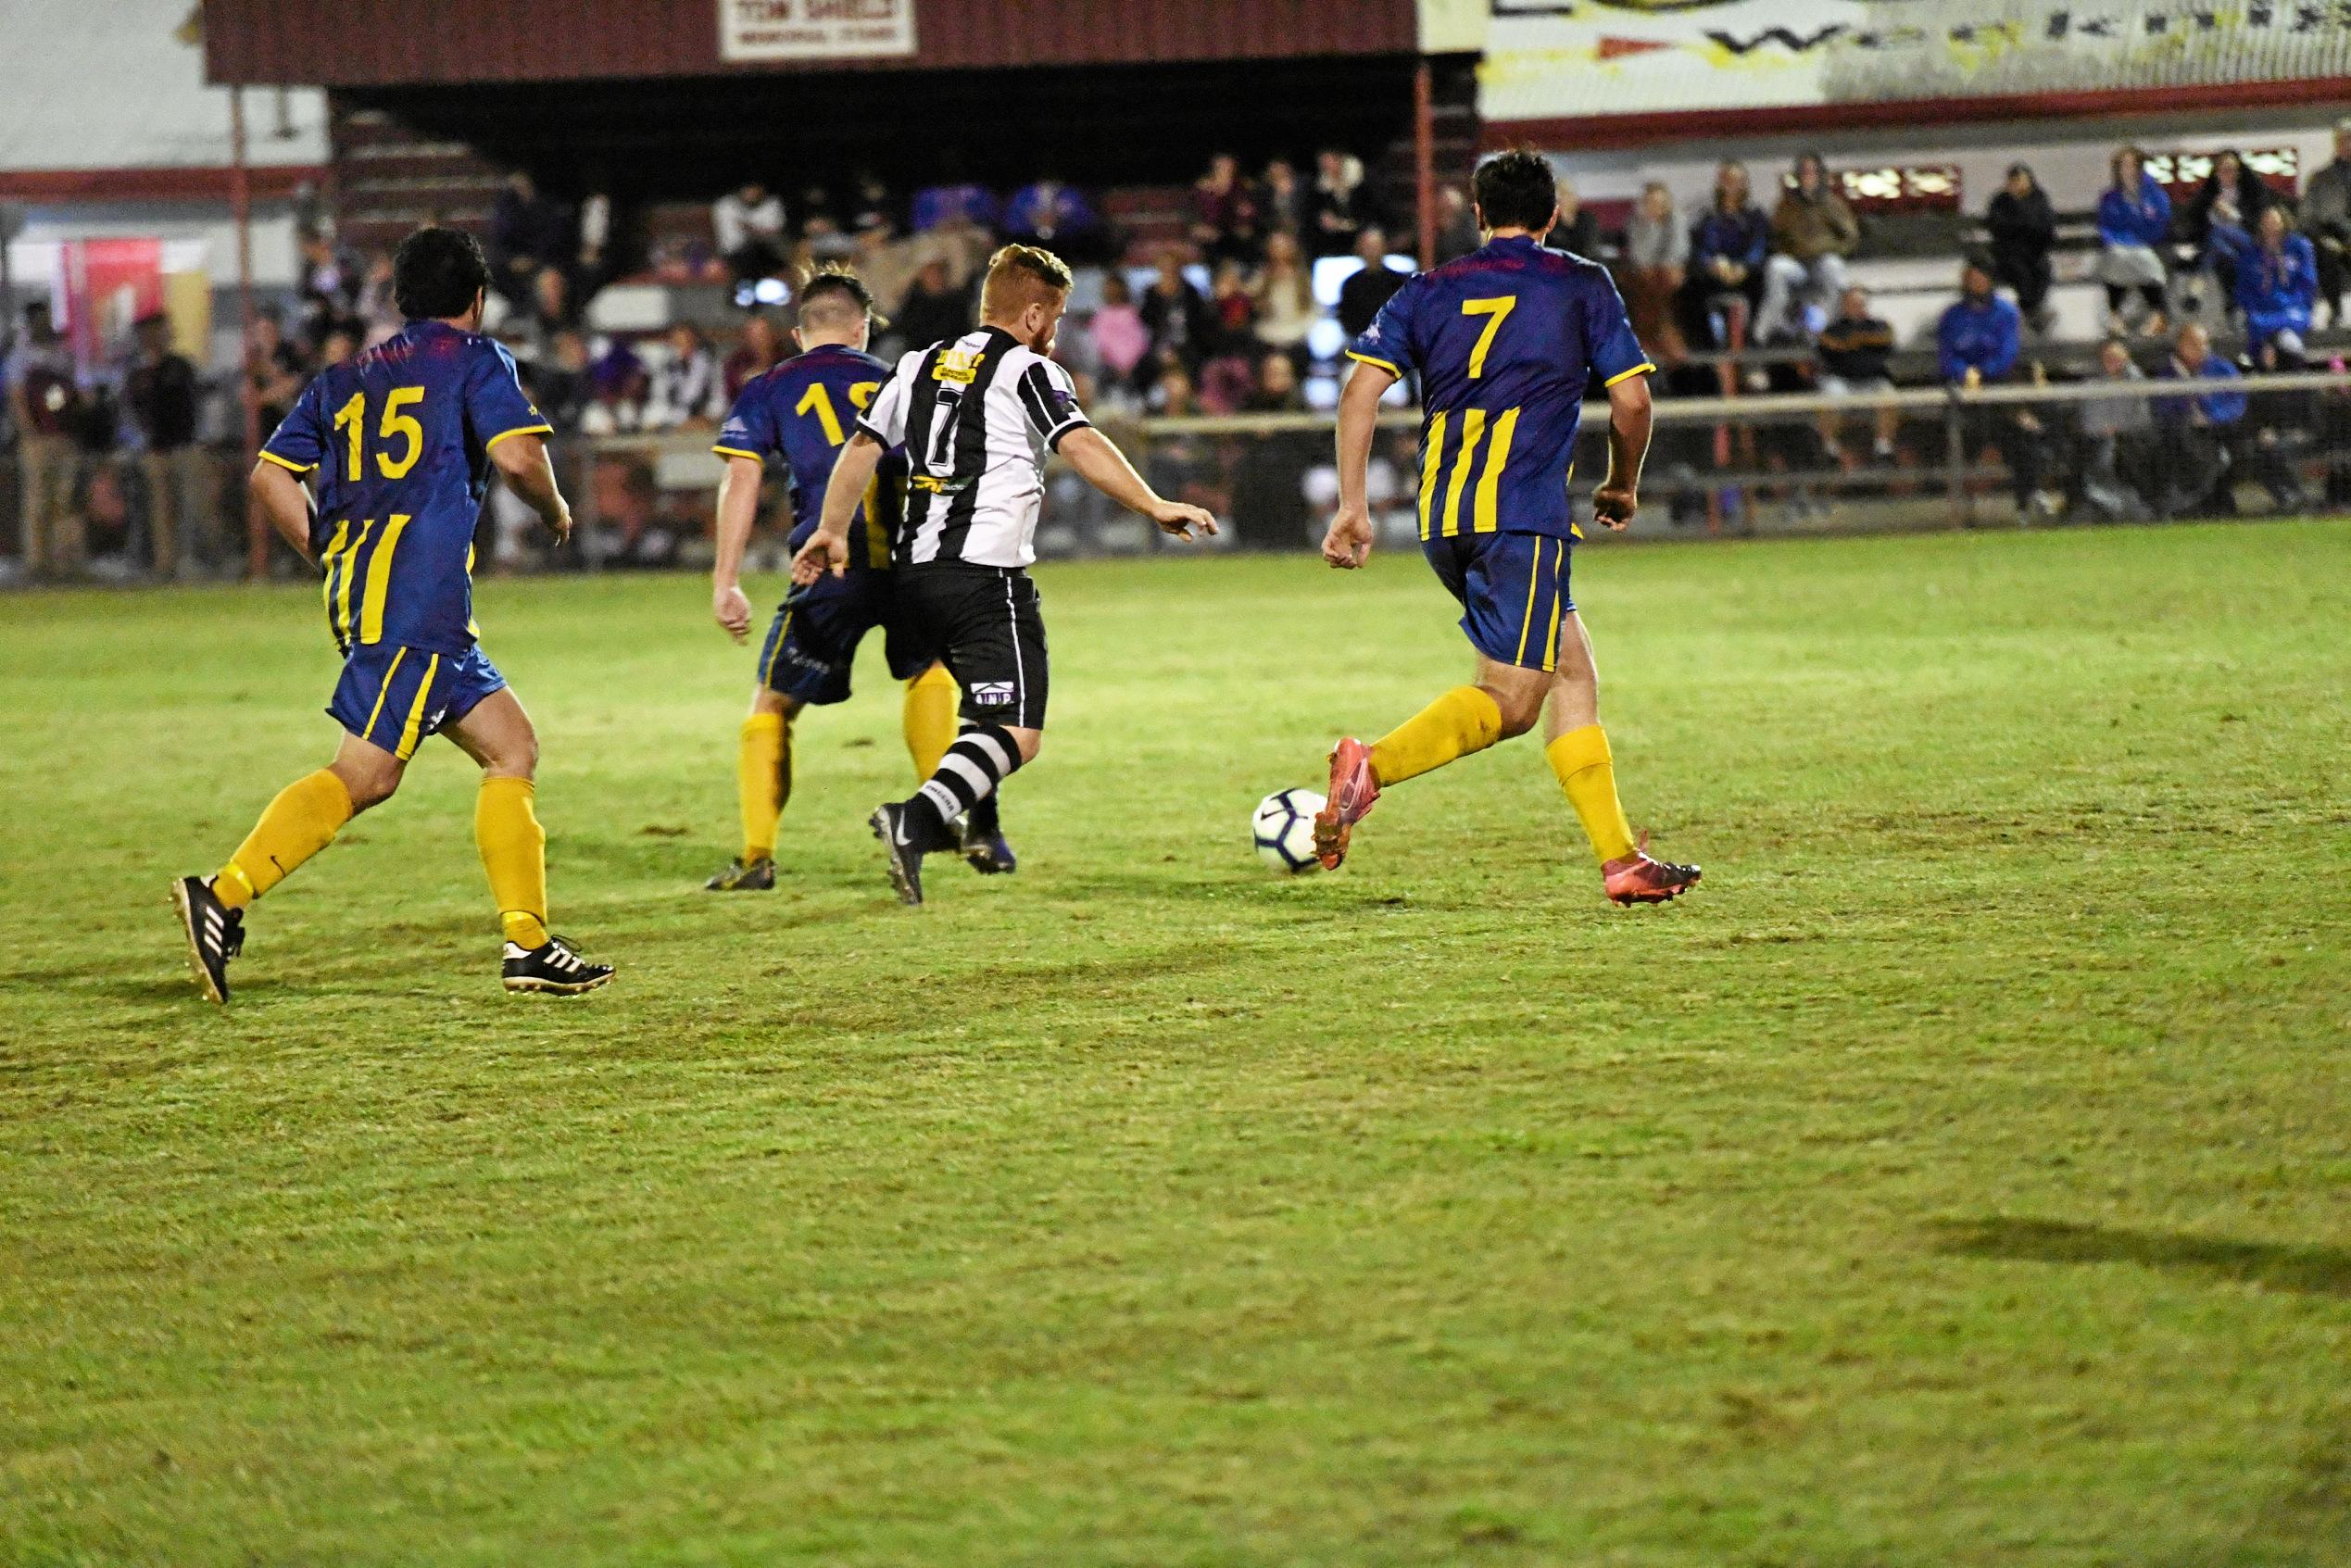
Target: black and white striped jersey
976	415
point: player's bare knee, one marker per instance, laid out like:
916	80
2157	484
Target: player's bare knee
367	784
1520	708
1027	741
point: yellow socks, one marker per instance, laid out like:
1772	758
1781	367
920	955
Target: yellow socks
1462	721
930	719
302	821
1586	772
514	853
763	777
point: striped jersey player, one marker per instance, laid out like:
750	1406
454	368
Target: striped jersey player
1507	342
976	416
398	443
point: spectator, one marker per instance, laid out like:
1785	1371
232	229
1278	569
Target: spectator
1656	262
1269	479
160	391
44	402
1282	200
686	389
1175	316
1457	225
379	312
935	308
2205	440
2326	217
1054	215
341	342
871	204
1577	231
2118	439
887	266
2134	220
561	384
593	262
1812	233
958	205
2277	289
1232	314
759	351
618	385
1340	204
1975	342
2220	220
1727	246
1854	355
1225	218
1172	393
528	234
747	223
2023	226
274	369
1121	340
1286	311
1364	292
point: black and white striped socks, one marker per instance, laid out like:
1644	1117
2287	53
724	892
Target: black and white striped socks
981	759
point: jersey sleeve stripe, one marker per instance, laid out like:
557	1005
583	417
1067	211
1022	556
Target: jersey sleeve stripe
738	452
1060	433
859	423
518	430
1375	360
1644	368
288	463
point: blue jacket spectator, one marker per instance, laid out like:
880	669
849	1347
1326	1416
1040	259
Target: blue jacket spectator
946	204
2195	361
2141	216
1737	235
1979	332
2277	286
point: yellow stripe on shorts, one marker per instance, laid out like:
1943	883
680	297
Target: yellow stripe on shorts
416	711
386	690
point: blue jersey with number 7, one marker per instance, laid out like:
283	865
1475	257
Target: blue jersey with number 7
400	439
1508	340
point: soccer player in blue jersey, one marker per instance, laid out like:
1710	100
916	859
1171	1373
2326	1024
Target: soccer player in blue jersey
800	413
1506	340
398	443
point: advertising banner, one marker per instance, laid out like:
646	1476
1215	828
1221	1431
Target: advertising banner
1555	59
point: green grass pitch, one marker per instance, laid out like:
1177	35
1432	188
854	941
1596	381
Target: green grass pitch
1959	1176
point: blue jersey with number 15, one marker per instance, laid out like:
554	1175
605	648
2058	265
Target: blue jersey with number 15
802	411
400	438
1507	341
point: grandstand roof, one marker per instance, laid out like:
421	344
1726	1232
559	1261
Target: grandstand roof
395	43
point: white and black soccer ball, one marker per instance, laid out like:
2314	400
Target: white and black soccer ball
1283	831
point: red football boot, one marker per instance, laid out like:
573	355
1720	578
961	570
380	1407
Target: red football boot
1637	879
1353	791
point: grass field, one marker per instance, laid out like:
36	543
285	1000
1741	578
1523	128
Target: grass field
1959	1176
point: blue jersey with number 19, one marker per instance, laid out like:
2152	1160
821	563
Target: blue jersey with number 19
399	437
1507	340
803	411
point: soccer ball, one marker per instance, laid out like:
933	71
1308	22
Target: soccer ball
1284	830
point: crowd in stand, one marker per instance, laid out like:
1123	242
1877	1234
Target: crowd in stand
1223	317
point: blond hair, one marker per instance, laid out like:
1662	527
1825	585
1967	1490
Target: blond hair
1019	276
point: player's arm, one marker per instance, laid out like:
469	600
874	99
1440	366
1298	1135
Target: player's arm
1630	417
1348	542
1101	464
738	510
828	548
523	461
279	493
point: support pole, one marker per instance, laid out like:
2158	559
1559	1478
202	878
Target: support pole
257	527
1954	448
1425	160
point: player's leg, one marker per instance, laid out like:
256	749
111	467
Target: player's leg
497	734
804	662
1577	748
379	702
990	630
762	787
929	717
1510	587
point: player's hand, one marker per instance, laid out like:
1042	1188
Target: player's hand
822	553
1347	544
1613	506
1177	517
559	525
732	610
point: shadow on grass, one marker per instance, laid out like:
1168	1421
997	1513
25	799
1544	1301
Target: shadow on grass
2315	1270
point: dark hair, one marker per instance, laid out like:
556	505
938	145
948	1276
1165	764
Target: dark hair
1515	190
437	273
838	281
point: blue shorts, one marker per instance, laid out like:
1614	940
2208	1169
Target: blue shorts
393	696
812	645
1513	589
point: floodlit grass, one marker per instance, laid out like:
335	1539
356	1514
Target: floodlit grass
1958	1177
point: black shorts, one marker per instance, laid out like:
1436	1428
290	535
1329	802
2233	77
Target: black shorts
985	623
